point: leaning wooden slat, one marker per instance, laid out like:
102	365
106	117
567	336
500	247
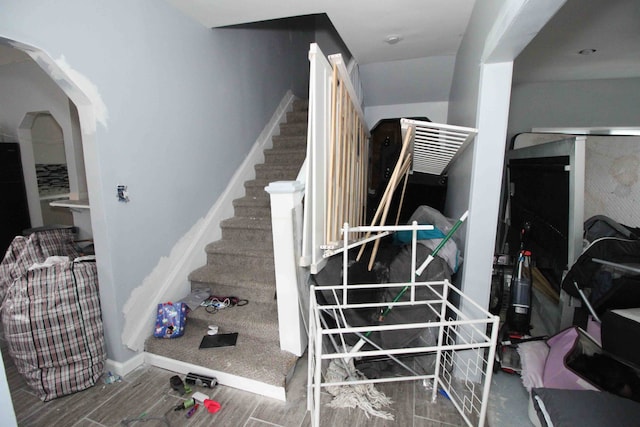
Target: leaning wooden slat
406	165
404	189
389	189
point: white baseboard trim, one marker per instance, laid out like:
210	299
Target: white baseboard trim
223	378
124	368
168	281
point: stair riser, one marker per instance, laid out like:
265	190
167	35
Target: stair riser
293	129
257	330
301	105
264	265
256	294
252	211
256	191
272	175
297	117
278	157
259	236
289	142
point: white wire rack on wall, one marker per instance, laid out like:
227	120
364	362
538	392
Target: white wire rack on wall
464	336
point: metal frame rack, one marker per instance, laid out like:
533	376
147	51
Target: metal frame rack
466	337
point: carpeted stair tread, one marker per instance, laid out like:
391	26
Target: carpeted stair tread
279	157
299	116
257	319
252	207
255	286
282	167
301	105
241	264
289	142
286	150
240	277
251	357
256	187
247	223
251	201
293	128
285	167
241	248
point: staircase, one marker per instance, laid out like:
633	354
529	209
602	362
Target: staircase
241	265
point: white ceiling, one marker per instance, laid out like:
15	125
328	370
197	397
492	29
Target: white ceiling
611	27
435	28
427	27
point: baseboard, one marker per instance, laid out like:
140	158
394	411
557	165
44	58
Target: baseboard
168	280
124	368
223	378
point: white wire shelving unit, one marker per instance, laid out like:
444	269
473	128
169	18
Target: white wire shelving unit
464	350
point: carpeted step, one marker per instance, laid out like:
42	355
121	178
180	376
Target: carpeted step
256	319
293	128
290	141
272	173
298	116
256	188
285	156
257	255
301	105
240	282
241	265
252	358
256	230
252	207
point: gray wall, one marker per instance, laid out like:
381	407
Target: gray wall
328	38
586	103
184	104
498	30
408	81
24	88
474	179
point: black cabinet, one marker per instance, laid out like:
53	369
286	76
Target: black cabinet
14	210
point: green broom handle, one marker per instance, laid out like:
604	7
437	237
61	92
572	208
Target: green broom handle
442	243
426	263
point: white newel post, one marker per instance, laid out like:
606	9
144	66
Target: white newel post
291	285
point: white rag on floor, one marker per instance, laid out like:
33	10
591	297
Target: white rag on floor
363	396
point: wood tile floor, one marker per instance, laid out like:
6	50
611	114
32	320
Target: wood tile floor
146	394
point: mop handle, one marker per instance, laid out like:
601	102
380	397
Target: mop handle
442	243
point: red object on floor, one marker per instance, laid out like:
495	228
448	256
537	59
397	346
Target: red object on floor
211	405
